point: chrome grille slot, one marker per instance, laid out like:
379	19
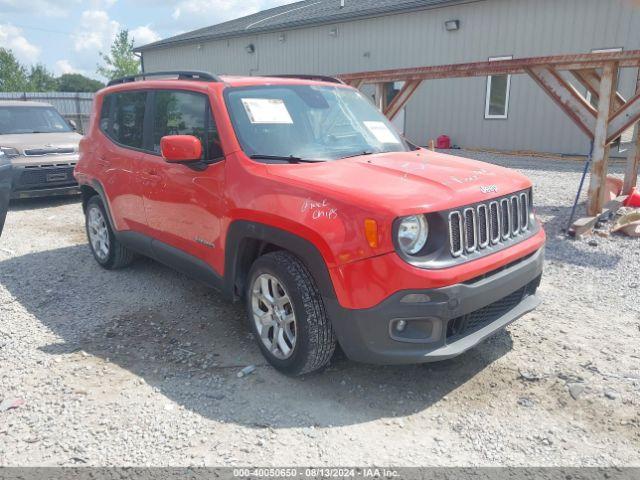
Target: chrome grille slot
505	218
524	211
515	215
470	228
488	225
494	227
455	233
483	226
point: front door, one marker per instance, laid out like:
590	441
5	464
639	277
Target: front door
184	203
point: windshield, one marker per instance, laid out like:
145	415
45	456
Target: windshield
15	120
309	122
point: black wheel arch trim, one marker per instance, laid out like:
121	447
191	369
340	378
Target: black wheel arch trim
242	230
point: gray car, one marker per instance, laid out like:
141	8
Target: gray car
42	147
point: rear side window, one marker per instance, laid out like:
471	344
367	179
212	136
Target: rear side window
185	113
105	114
128	118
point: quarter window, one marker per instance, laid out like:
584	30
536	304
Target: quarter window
185	113
497	100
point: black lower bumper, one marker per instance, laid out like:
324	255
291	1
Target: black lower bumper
421	326
43	181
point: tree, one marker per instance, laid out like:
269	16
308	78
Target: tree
121	61
13	75
41	79
74	82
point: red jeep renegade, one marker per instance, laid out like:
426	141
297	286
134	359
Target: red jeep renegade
298	196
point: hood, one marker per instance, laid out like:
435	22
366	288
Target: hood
26	141
404	183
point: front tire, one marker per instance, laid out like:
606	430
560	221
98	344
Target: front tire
106	249
287	315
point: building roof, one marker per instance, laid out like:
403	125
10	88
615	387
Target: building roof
299	14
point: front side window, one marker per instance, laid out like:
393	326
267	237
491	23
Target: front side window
497	100
17	120
128	118
185	113
309	122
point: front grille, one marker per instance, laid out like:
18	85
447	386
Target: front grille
39	152
487	224
43	176
474	321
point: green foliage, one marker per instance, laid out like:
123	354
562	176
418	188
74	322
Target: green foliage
121	61
13	75
42	80
74	82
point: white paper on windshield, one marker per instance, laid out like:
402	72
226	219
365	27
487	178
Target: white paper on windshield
266	110
382	133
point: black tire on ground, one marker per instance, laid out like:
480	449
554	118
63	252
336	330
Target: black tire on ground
315	339
119	256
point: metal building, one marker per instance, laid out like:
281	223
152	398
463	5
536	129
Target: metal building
342	36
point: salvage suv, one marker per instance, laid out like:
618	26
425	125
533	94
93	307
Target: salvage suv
297	196
42	147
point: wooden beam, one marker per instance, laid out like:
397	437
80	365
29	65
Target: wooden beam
356	83
624	118
590	79
633	158
597	186
583	61
401	99
586	224
566	97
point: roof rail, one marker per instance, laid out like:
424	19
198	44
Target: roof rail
320	78
182	75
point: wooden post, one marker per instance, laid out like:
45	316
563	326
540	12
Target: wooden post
633	158
601	149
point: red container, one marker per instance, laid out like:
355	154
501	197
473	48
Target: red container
634	199
443	142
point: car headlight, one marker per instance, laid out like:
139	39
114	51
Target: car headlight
10	151
413	232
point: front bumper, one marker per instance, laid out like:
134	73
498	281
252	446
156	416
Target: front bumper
440	323
30	181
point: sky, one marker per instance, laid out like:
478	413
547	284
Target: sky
66	35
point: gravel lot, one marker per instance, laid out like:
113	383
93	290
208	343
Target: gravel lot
138	367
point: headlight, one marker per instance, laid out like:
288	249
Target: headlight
10	151
412	234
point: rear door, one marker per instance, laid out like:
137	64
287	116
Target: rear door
122	121
184	203
5	187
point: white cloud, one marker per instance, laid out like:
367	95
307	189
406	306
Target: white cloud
143	35
64	66
11	37
46	8
220	10
96	31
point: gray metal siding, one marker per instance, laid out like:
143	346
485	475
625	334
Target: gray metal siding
522	28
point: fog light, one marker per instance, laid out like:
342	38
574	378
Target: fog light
401	325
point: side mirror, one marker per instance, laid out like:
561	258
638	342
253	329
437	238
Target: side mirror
180	148
73	125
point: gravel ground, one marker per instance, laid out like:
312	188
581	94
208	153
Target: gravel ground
138	367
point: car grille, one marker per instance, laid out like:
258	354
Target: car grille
46	175
39	152
487	224
474	321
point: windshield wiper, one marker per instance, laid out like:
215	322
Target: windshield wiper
290	158
359	154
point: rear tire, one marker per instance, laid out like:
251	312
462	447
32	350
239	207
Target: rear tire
107	250
287	315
